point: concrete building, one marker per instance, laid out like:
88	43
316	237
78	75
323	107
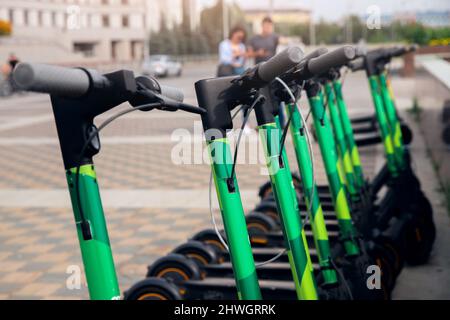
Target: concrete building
74	30
280	11
172	11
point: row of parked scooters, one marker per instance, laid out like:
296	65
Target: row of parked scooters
342	241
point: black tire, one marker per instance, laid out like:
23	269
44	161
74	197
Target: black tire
260	223
382	257
337	291
201	253
420	232
153	289
176	268
407	134
265	190
446	135
355	272
420	235
269	208
446	112
392	252
209	237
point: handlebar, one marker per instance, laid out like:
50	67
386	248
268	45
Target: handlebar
69	82
279	64
399	51
356	65
75	82
314	54
361	51
171	93
264	73
333	59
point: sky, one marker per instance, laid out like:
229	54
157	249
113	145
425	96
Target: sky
335	9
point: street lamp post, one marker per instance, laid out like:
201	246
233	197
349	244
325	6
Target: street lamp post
225	19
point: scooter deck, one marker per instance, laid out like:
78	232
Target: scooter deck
225	289
274	270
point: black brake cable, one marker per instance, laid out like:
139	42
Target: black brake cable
341	275
216	228
325	105
286	128
236	149
289	91
84	223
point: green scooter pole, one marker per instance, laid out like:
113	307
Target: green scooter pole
330	159
311	194
394	123
234	220
383	125
349	135
96	252
339	164
343	151
285	197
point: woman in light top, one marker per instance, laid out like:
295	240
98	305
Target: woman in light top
232	53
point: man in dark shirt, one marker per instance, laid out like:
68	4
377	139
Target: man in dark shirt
263	46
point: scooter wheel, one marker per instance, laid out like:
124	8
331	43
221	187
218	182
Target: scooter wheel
265	190
201	253
355	271
407	134
391	251
260	223
420	232
338	291
176	268
268	208
420	235
209	237
383	259
153	289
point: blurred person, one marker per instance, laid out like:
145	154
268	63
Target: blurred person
7	86
12	61
232	53
232	58
264	46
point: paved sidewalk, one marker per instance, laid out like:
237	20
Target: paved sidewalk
430	281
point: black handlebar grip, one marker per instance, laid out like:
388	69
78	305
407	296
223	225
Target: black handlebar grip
357	64
316	53
56	80
172	93
333	59
396	51
280	63
360	51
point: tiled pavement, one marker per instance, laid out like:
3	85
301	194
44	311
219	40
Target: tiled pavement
37	236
